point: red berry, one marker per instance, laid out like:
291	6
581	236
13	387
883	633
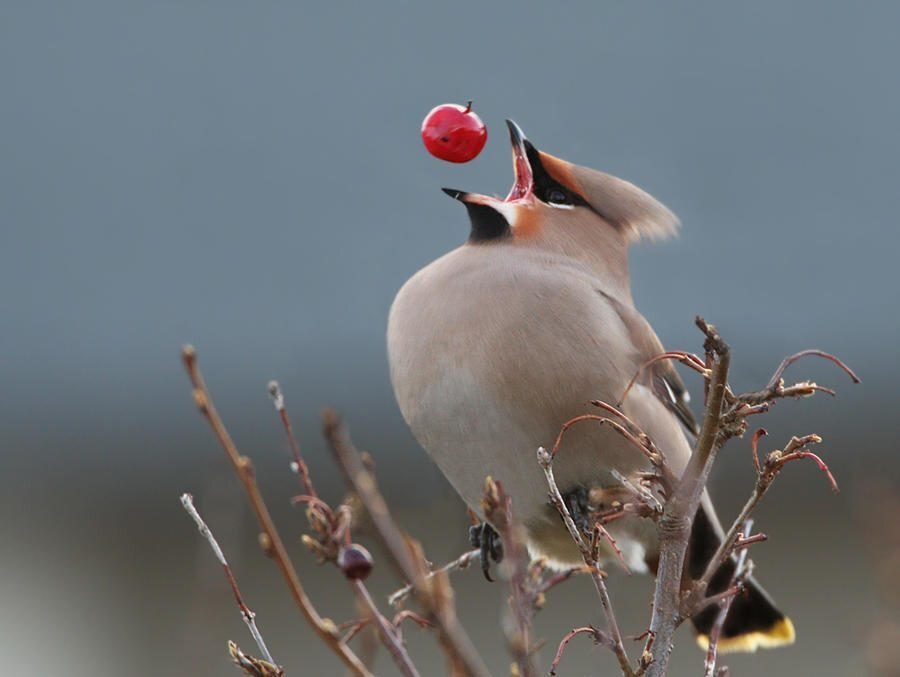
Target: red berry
453	133
355	561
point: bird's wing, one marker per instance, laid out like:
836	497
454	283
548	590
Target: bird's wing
662	377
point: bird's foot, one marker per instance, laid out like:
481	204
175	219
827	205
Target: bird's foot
578	503
486	538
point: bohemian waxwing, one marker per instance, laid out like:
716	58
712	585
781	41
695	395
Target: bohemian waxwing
497	343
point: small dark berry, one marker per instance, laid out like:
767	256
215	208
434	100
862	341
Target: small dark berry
355	561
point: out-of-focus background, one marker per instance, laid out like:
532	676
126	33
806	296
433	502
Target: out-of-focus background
248	177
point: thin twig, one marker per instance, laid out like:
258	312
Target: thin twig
597	635
788	361
545	459
497	508
797	455
563	576
776	389
462	562
767	473
406	614
754	445
715	632
644	495
390	637
313	501
333	529
599	531
606	406
685	358
270	539
352	628
717	598
299	465
249	617
743	543
651	453
429	590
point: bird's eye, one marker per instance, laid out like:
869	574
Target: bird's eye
557	196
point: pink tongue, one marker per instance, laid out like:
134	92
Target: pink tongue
522	185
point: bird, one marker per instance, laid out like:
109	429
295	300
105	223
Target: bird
495	344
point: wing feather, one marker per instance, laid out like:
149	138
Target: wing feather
662	377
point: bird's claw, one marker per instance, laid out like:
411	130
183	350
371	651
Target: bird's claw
486	538
578	503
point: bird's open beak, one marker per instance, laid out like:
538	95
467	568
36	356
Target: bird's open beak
523	185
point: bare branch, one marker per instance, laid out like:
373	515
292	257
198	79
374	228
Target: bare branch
430	591
644	445
598	636
299	465
598	532
352	628
685	358
545	459
717	598
675	523
270	539
563	576
788	361
644	495
743	543
616	411
406	614
249	617
333	543
776	389
767	472
462	562
497	508
390	635
754	444
660	495
737	580
794	452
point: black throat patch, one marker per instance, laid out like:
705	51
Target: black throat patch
487	223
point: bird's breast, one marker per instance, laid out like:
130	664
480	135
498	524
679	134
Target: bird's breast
488	359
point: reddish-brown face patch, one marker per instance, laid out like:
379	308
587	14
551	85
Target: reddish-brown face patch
528	222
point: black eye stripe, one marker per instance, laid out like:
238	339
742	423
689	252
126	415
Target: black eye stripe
558	196
555	193
546	188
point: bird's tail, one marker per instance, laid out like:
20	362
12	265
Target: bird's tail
753	620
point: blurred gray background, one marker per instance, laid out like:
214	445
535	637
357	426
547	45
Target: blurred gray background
248	177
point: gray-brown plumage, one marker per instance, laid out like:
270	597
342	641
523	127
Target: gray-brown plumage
494	345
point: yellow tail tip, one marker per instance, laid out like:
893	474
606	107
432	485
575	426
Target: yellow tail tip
780	634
